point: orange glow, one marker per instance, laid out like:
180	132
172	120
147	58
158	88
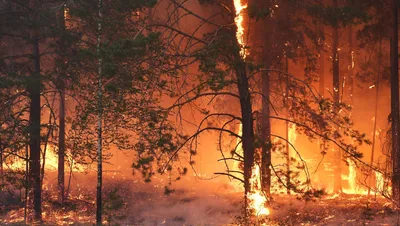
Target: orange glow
256	197
239	24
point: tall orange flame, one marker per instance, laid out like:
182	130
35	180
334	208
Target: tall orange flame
239	7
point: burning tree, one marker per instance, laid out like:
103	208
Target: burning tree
226	73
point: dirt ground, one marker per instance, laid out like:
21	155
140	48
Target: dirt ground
205	203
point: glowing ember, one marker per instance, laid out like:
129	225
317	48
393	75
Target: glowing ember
256	197
239	24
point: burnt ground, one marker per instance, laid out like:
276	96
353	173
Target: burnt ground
137	203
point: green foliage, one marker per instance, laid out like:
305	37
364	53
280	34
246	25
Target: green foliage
112	204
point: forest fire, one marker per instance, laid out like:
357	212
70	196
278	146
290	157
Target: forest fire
256	196
239	7
199	112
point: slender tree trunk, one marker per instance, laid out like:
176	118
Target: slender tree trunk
27	181
322	65
351	65
34	118
266	134
1	170
61	133
61	145
100	117
394	86
247	123
378	75
337	186
287	129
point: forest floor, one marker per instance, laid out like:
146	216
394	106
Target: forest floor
202	204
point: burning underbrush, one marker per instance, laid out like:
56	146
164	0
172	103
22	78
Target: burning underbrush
194	202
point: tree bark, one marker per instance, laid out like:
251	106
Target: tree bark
322	64
34	118
376	112
61	88
351	65
247	123
337	154
100	117
287	130
394	86
266	134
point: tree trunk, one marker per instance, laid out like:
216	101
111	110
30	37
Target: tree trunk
351	65
376	112
1	169
247	123
100	117
34	119
61	133
287	129
27	181
337	154
322	64
266	134
394	86
61	145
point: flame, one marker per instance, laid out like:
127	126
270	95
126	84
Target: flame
380	181
239	24
352	175
51	163
292	135
256	197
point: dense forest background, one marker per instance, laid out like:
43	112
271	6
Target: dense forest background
109	107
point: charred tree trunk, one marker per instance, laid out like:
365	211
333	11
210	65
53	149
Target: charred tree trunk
337	154
61	145
394	86
1	169
322	64
27	181
351	65
100	118
61	88
266	134
287	129
34	118
247	124
376	111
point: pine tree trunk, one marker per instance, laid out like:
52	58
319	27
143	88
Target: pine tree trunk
376	112
394	86
351	65
100	117
27	181
322	65
337	154
1	169
61	134
247	124
34	119
287	129
266	134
